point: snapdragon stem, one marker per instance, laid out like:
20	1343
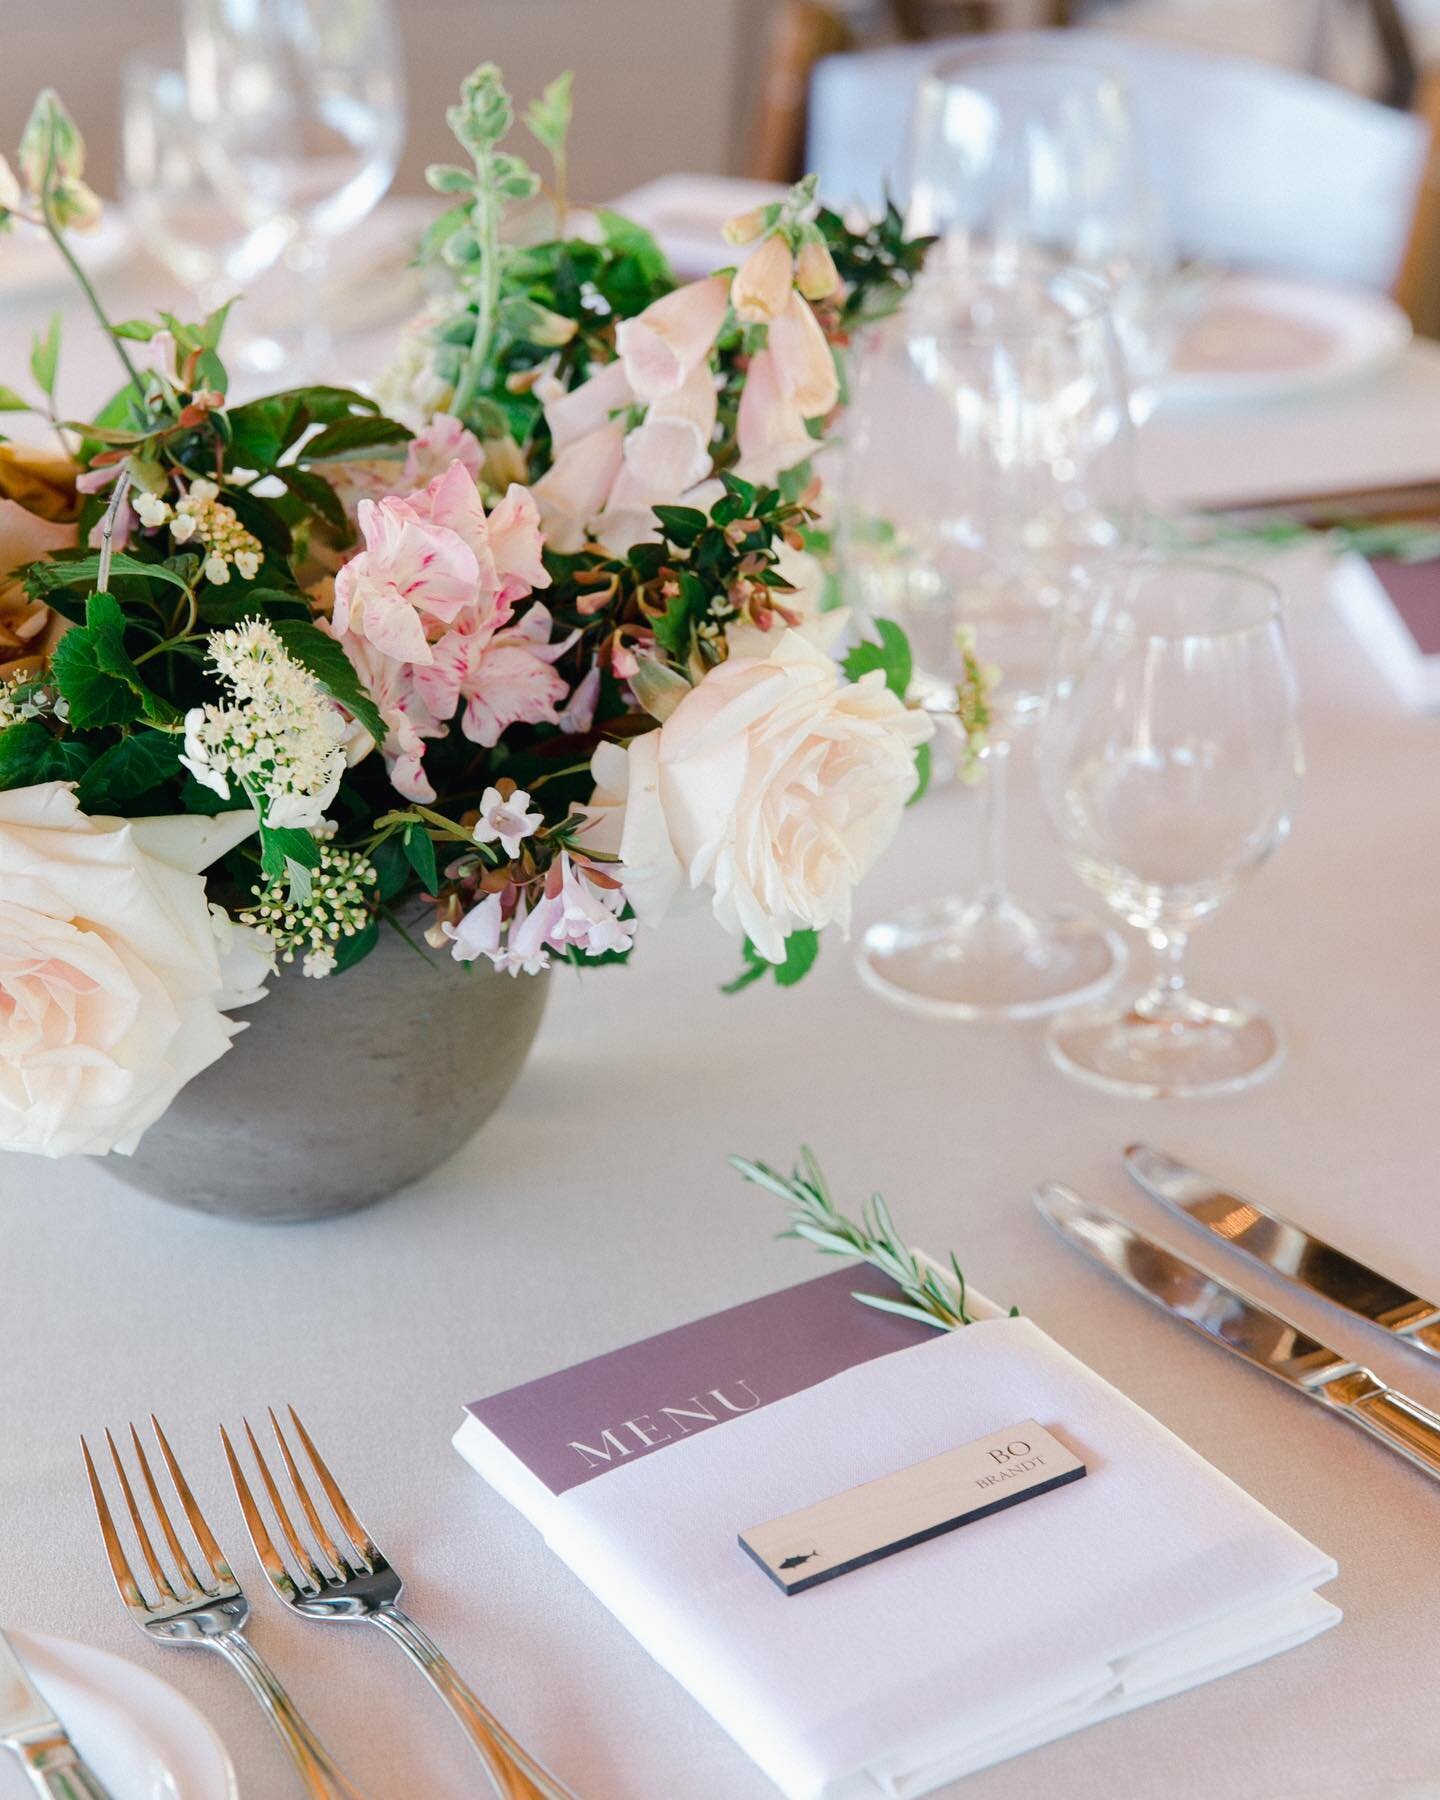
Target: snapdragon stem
57	237
488	219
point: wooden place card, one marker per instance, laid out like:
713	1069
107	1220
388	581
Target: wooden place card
879	1517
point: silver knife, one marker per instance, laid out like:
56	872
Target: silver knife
1270	1239
28	1726
1240	1324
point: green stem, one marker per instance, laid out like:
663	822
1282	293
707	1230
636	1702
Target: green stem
57	237
487	219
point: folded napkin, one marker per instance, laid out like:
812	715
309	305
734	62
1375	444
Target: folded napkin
1152	1574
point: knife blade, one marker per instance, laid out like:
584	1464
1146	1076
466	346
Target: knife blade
1269	1238
1272	1343
28	1727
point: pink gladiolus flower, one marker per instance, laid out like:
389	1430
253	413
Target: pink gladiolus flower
762	283
769	428
661	347
803	360
409	574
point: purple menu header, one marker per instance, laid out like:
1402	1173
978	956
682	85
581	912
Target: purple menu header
604	1414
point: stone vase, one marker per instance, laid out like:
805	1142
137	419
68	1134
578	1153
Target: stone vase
341	1091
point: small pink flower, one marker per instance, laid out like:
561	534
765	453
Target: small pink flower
433	448
579	714
506	821
410	573
527	943
661	347
769	428
590	917
479	931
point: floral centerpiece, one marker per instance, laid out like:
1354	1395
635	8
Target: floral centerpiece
510	656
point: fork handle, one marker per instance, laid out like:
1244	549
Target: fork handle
514	1773
319	1775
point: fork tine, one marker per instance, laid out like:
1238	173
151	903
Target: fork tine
182	1561
142	1536
302	1494
114	1549
364	1544
271	1560
204	1537
302	1555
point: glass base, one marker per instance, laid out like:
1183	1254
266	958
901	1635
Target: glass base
1180	1050
979	959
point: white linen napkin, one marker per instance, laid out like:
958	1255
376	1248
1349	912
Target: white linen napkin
1152	1574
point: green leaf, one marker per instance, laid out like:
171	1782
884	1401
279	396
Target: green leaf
449	178
923	762
128	769
391	865
548	118
29	753
45	356
626	238
420	853
139	331
801	949
683	524
281	845
318	496
891	655
360	432
332	668
65	573
10	401
94	695
262	430
351	950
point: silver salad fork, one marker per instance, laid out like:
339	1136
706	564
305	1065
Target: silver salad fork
351	1581
188	1612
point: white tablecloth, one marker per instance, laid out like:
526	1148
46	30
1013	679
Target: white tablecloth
597	1207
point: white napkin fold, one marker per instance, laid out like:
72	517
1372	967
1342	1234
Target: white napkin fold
1152	1574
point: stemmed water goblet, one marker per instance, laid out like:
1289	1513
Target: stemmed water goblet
1029	156
1169	759
987	447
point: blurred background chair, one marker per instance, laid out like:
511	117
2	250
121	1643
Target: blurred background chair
1253	164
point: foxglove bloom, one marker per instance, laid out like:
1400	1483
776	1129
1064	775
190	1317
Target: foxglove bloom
664	343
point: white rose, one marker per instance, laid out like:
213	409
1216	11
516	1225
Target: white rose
111	975
774	782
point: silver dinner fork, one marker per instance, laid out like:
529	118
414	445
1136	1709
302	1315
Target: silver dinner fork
351	1581
187	1612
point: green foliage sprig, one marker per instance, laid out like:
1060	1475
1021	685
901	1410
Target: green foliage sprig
930	1295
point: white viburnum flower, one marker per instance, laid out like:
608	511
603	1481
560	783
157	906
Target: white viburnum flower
506	820
280	743
152	510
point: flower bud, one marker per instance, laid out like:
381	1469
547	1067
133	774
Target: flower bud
760	291
815	271
744	228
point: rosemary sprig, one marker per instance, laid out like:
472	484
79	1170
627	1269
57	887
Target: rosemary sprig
931	1295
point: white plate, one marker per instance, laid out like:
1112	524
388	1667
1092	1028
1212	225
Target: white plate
1267	337
30	265
143	1740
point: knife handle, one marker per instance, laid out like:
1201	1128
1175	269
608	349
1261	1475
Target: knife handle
57	1772
1391	1417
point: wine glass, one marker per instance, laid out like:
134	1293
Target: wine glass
1030	156
987	447
1170	762
304	105
170	193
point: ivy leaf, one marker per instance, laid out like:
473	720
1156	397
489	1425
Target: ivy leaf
891	655
332	668
128	769
45	356
420	853
801	949
29	754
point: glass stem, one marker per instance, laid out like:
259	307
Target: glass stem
1168	995
994	841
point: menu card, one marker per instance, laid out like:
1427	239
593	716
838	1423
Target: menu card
1394	610
641	1467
